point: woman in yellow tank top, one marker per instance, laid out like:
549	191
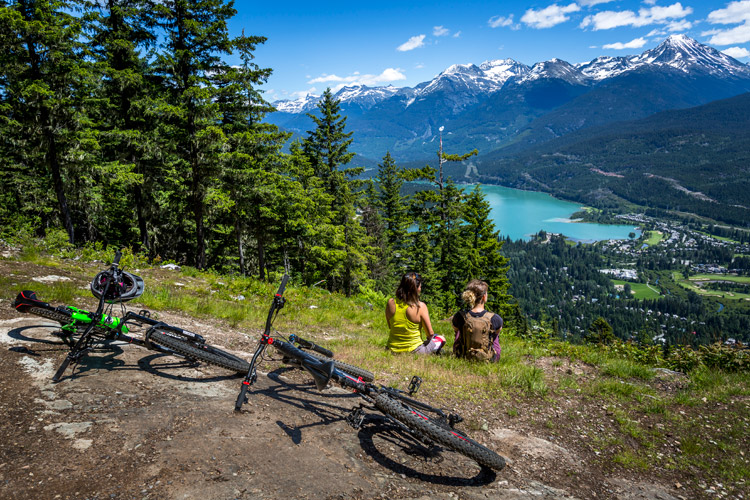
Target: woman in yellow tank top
407	316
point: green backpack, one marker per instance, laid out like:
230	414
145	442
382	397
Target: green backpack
475	341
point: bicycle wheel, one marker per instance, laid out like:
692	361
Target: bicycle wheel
450	438
203	352
352	370
61	316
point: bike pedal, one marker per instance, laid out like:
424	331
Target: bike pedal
414	385
356	418
454	419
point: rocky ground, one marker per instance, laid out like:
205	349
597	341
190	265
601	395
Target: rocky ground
131	423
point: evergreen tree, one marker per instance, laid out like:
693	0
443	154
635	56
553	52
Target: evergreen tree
47	86
124	33
483	255
191	67
326	148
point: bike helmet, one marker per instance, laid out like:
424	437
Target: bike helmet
127	287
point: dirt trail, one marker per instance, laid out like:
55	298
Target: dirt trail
136	424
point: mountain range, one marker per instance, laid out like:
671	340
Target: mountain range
503	107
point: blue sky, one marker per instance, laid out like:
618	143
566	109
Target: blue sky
314	45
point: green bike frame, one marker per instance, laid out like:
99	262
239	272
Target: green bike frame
82	317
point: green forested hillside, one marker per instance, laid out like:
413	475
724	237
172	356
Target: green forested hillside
693	160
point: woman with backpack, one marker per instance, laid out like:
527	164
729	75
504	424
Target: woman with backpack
406	316
476	328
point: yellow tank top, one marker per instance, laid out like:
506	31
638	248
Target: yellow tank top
404	335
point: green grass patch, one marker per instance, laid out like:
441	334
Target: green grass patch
640	291
625	369
654	238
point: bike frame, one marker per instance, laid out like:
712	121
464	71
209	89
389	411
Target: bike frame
324	371
117	327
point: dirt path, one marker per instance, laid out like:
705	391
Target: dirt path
135	424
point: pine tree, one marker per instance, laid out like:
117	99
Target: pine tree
124	31
483	254
191	66
393	206
47	84
327	150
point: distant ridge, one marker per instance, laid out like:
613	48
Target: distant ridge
506	104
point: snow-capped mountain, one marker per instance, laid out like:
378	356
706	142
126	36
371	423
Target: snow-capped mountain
502	70
503	102
677	51
685	54
303	104
555	69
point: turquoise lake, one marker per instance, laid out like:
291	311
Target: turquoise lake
521	214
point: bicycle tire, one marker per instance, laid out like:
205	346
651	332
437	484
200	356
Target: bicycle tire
203	352
352	370
63	316
445	436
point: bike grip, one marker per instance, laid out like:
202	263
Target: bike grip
322	350
118	256
282	287
241	398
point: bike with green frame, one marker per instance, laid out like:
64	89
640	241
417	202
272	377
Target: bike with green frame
82	329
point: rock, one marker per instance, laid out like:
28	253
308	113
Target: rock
52	278
516	444
171	267
629	490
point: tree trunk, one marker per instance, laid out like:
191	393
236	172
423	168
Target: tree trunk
261	254
53	161
240	247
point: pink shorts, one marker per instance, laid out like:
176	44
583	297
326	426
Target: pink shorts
432	346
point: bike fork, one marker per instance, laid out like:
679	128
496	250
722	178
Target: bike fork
75	354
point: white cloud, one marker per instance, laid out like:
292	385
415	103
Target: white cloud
734	13
682	25
412	43
500	21
609	19
633	44
738	34
737	52
388	75
549	16
303	93
440	31
591	3
456	34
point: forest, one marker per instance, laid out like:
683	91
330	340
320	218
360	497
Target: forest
123	123
560	287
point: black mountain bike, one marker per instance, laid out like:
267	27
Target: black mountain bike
81	329
430	425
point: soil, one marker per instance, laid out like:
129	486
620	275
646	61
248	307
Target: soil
131	423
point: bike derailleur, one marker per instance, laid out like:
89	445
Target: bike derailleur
356	417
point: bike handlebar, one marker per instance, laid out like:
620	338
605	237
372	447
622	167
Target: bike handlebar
118	256
282	287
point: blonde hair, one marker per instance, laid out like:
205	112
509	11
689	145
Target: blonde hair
474	292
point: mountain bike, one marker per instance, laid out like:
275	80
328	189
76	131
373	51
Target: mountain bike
81	329
430	425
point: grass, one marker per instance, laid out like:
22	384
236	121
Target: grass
654	238
692	284
640	290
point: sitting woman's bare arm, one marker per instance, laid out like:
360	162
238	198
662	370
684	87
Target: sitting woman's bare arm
390	310
424	316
